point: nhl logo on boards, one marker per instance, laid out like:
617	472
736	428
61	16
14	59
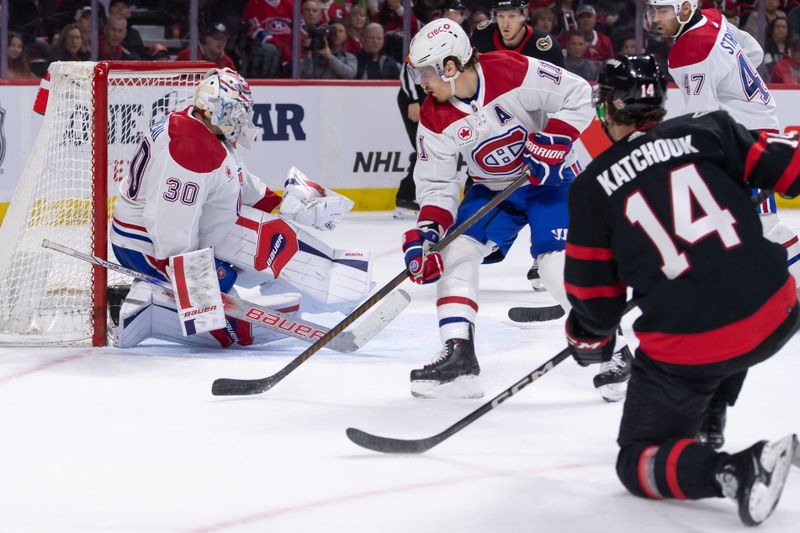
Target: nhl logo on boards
464	133
544	44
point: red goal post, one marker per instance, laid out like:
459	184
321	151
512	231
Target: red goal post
95	116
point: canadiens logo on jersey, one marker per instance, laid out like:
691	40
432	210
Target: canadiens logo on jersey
501	155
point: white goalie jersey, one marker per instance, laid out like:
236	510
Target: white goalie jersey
517	95
184	190
714	65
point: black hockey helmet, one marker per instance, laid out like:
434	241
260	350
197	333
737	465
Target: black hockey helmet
631	85
505	5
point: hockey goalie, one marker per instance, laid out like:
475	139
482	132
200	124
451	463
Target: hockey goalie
190	213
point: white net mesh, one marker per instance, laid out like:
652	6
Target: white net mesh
47	297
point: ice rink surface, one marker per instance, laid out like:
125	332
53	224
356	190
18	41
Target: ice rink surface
107	440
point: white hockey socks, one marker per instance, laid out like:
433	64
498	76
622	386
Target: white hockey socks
457	290
551	271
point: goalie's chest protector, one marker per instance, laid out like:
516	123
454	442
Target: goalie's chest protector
490	130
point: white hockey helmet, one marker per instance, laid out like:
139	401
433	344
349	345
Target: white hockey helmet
437	41
225	96
676	6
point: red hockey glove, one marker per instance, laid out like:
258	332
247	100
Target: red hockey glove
587	348
544	155
423	266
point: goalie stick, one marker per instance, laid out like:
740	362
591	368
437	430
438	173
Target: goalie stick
347	341
233	387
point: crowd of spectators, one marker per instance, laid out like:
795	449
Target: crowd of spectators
346	39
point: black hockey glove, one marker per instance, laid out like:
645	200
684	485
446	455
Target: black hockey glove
587	348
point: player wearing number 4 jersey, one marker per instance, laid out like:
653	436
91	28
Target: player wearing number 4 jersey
188	192
505	114
714	65
666	211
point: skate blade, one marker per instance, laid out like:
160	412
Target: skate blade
776	458
461	388
613	392
404	213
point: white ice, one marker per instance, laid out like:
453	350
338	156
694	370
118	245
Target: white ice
133	441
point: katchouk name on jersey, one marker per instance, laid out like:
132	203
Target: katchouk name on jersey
650	153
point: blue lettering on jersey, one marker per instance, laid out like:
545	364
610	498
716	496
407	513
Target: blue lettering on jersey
502	115
729	43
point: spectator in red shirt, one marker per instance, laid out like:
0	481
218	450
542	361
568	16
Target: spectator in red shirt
114	32
355	24
599	45
269	29
212	47
390	16
788	69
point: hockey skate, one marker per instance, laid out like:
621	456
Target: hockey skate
405	209
453	374
612	379
533	277
755	477
711	431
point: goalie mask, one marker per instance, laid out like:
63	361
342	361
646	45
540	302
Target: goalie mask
436	42
226	98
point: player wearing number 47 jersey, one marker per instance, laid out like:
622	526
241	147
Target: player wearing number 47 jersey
505	114
666	211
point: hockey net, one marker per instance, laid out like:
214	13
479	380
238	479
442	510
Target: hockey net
96	114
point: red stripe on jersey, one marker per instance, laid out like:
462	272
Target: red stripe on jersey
754	155
790	242
789	174
457	300
598	291
180	282
129	226
589	253
437	214
725	342
437	116
672	468
644	481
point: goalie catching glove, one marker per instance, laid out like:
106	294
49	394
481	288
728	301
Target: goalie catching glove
543	158
311	204
587	348
423	265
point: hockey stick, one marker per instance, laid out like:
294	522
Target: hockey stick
390	445
231	387
347	341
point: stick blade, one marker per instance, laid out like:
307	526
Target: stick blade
239	387
535	314
388	445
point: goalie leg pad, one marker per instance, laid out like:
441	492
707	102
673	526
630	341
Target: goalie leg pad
195	280
457	290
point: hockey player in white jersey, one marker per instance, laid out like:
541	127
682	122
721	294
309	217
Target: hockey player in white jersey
187	191
714	65
506	114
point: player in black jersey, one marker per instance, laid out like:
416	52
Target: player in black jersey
508	30
667	211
